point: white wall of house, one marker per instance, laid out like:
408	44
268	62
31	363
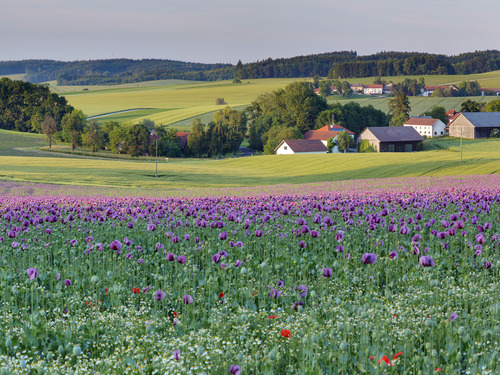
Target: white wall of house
284	149
436	130
372	91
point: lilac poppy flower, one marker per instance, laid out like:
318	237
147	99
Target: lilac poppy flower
187	237
302	244
224	266
140	261
187	299
327	272
130	225
15	244
32	273
223	253
314	234
280	283
238	263
12	234
2	238
181	259
235	370
151	227
487	265
369	258
223	236
67	282
89	239
147	288
159	295
426	261
175	239
58	276
99	246
115	245
128	241
339	248
129	256
74	242
393	254
216	258
275	293
453	317
303	290
66	310
176	354
258	233
347	256
170	257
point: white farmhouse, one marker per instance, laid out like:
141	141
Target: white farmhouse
430	127
327	132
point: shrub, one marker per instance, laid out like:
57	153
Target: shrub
365	146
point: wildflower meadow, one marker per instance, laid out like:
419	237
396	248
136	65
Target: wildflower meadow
387	279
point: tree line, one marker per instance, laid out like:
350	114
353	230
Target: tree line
344	64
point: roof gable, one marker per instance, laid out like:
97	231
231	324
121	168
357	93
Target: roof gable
304	145
483	119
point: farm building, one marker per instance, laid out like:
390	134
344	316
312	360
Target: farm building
301	146
327	132
373	89
183	138
473	125
430	127
392	138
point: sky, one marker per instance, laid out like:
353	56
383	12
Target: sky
225	31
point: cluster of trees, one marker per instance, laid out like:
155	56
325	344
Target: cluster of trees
465	88
288	113
396	64
219	137
473	106
24	105
341	88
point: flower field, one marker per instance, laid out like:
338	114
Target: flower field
381	277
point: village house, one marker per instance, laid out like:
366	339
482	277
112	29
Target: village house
357	88
373	89
473	125
495	91
392	138
183	138
428	127
327	132
301	146
429	90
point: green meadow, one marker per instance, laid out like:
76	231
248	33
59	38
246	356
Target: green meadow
177	103
441	158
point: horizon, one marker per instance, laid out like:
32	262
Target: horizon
225	32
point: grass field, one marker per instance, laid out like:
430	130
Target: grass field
177	103
479	157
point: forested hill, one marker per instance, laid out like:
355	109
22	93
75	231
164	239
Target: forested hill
344	64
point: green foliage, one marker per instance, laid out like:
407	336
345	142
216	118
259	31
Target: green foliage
23	105
330	144
365	146
495	133
197	142
276	134
137	140
93	137
398	105
49	127
117	137
470	106
398	120
493	106
437	112
410	87
344	141
220	101
72	127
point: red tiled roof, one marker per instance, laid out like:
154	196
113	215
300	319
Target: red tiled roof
421	121
305	145
373	86
333	128
183	138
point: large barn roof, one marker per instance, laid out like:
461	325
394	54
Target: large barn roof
395	134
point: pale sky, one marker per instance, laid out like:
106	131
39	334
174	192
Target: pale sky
224	31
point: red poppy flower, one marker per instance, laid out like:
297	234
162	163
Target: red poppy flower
254	293
395	315
175	314
438	369
272	316
397	355
106	290
286	333
386	360
372	357
136	290
221	295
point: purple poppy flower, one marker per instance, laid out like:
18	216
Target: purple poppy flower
187	237
223	236
159	295
453	317
347	256
147	288
303	290
235	370
99	246
140	261
404	230
339	236
170	257
275	293
32	273
115	245
302	244
393	254
15	244
187	299
238	263
327	272
12	234
176	354
74	242
66	310
127	241
67	282
2	238
369	258
216	258
224	266
130	225
129	256
58	276
426	261
258	233
175	239
89	239
314	234
181	259
487	265
280	283
339	248
223	253
151	227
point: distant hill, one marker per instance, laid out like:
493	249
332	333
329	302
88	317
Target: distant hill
344	64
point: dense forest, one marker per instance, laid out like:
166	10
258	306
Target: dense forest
343	64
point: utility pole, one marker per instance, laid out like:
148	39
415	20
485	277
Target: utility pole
461	129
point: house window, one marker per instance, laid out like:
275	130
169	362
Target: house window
390	148
435	133
441	133
285	148
408	147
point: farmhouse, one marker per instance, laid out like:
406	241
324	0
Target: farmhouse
429	127
300	146
183	138
392	138
327	132
357	88
373	89
473	125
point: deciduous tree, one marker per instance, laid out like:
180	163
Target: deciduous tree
49	128
470	106
73	124
93	137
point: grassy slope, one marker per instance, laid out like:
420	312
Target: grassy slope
179	102
480	157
